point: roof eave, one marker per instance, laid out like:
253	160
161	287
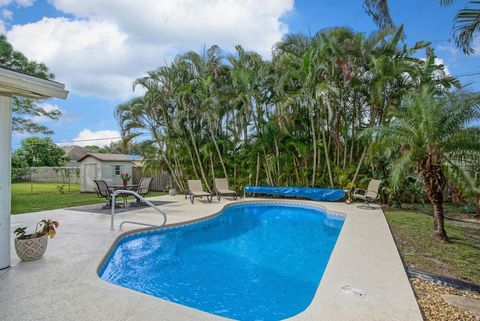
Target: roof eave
16	83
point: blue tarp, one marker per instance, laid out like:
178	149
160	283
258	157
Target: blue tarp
313	193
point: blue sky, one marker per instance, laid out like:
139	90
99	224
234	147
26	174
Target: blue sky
98	47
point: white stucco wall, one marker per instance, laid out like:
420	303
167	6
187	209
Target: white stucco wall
103	170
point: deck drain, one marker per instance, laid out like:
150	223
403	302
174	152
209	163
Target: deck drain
349	290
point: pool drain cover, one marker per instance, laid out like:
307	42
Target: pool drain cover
349	290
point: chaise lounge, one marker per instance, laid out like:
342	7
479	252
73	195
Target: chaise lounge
195	189
222	188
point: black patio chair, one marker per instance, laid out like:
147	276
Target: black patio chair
103	191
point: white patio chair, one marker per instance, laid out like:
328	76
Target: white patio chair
370	195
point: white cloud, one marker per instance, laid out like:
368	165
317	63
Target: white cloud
48	108
98	138
110	43
439	61
7	14
21	3
91	57
24	3
450	49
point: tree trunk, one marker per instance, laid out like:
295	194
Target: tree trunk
327	159
359	164
218	152
212	167
197	153
193	161
314	142
277	156
434	182
258	169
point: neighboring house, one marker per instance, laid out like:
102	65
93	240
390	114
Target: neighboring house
103	166
74	153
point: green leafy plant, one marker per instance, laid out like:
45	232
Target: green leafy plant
61	188
44	227
125	176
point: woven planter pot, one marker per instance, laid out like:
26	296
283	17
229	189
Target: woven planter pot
31	249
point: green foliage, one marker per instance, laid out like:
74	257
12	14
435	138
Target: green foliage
24	109
121	147
61	188
465	27
37	152
44	227
294	120
433	129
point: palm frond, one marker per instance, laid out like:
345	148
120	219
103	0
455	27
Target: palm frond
380	13
461	179
446	2
466	24
400	169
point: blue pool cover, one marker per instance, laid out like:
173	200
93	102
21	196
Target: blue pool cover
312	193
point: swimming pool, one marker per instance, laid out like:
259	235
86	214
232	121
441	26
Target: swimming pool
254	261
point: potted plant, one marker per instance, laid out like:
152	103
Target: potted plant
171	191
32	246
125	177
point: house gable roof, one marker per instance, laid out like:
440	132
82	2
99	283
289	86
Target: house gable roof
108	157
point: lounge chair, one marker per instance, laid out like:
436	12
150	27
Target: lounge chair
195	189
371	194
222	189
143	190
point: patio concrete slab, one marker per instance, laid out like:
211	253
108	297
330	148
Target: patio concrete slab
64	285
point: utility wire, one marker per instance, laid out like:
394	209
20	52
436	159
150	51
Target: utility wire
469	74
87	140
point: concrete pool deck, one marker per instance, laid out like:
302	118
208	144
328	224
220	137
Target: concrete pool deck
364	279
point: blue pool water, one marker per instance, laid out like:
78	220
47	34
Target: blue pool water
251	262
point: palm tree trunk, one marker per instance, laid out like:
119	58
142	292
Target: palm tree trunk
359	165
434	182
327	159
277	156
193	161
197	153
212	167
218	152
258	169
314	142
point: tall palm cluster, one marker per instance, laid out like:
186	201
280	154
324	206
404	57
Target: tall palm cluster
294	119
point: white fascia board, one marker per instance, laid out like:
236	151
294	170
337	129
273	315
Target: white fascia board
19	84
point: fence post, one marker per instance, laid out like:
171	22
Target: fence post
31	181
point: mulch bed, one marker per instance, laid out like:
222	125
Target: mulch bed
435	308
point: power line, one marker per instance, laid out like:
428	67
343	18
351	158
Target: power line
87	140
469	74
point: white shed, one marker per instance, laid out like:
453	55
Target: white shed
107	167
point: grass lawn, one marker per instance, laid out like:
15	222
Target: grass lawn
45	196
413	234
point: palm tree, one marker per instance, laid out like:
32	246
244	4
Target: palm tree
466	21
437	140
